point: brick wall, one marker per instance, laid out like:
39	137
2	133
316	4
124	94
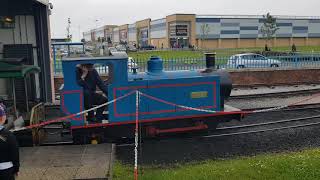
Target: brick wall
275	77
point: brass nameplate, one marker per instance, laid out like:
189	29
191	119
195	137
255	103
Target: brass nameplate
199	94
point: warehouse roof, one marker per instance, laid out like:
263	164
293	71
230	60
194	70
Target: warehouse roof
256	17
45	2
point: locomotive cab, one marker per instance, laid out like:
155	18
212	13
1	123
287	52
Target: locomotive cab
114	70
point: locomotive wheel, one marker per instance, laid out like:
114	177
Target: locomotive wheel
212	126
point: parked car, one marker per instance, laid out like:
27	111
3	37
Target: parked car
121	48
115	52
112	49
119	53
131	64
251	60
103	69
64	53
131	48
148	47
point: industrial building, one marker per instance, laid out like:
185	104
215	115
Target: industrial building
227	31
25	39
104	32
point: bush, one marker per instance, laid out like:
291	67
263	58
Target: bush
274	53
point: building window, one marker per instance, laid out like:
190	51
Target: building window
179	30
144	37
144	34
182	30
179	34
123	36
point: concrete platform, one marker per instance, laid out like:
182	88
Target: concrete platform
270	102
273	89
66	162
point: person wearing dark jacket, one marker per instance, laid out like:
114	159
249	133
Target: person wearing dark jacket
88	78
9	151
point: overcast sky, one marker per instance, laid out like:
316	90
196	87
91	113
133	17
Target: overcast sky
87	14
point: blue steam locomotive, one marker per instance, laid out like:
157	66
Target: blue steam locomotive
169	101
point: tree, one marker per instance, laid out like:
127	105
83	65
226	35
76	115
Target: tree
138	38
204	30
269	27
294	48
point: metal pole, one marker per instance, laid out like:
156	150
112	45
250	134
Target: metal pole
68	50
26	93
54	58
83	49
14	98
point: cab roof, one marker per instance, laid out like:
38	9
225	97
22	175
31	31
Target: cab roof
95	58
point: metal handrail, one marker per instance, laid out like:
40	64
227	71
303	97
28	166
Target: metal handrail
37	114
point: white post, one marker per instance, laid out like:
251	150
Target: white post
136	139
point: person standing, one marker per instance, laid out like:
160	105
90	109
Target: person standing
9	150
88	78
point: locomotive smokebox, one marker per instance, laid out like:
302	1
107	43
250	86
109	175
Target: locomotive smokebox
210	60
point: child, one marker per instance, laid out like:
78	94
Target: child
9	151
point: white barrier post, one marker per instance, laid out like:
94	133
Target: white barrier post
136	138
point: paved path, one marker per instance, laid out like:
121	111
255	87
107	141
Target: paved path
66	162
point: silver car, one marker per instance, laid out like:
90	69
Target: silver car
251	60
121	48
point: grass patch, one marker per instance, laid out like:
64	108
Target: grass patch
145	55
295	166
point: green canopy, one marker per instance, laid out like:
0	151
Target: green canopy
16	71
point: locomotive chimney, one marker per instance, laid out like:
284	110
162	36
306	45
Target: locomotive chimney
155	65
210	60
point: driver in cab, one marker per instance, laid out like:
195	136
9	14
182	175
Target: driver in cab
88	78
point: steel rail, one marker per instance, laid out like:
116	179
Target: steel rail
268	123
262	130
298	107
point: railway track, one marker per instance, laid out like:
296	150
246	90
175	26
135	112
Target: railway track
276	125
297	107
238	129
233	130
286	130
242	129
